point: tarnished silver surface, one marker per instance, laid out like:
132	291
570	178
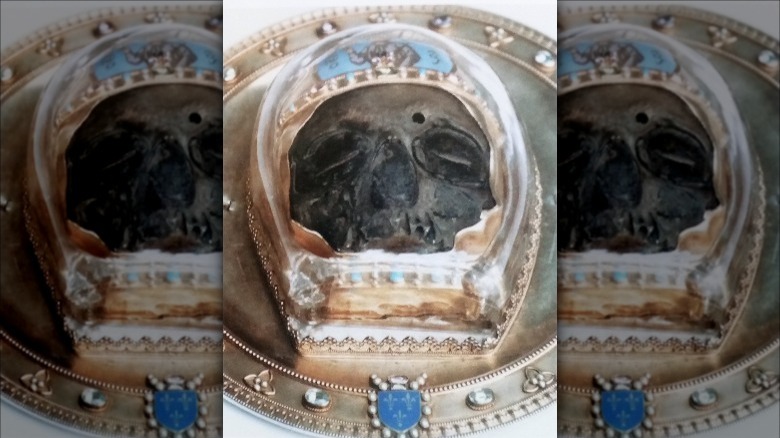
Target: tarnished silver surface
262	370
691	392
103	394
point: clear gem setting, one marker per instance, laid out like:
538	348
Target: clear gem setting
481	398
704	398
92	398
316	399
545	59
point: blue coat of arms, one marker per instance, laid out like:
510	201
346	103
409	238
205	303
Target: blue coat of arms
623	410
399	410
176	410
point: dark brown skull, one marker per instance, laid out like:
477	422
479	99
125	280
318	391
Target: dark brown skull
396	167
145	170
635	168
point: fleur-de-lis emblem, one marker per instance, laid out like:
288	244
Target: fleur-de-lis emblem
536	380
622	406
261	382
38	382
720	36
51	47
497	36
382	17
275	46
174	407
759	380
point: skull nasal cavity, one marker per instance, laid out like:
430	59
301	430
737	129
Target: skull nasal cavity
618	180
393	176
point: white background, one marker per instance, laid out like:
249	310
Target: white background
18	19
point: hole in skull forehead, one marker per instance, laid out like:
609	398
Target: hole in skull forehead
131	175
626	186
356	180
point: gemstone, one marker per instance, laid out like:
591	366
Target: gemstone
545	58
396	277
441	22
173	277
133	277
766	58
480	399
230	74
356	277
92	398
704	398
579	277
620	277
316	399
663	22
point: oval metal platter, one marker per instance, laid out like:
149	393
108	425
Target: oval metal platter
265	374
105	393
689	392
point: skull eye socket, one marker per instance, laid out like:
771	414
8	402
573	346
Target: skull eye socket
332	158
676	156
118	152
206	151
574	149
452	155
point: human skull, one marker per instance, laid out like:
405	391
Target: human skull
635	169
145	170
401	168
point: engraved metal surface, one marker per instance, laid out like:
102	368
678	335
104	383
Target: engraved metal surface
105	393
693	392
265	374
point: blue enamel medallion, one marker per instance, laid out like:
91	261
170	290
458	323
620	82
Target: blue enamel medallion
176	410
399	53
618	54
158	54
623	410
399	410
